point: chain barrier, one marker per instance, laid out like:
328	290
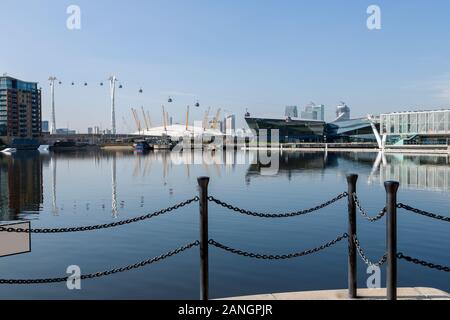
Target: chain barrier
280	215
364	213
101	226
106	273
423	263
423	213
277	257
364	257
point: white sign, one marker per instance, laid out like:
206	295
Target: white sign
12	243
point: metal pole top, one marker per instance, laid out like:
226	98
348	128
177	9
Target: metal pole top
203	181
352	178
391	186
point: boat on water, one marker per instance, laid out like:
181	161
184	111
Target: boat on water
25	144
142	146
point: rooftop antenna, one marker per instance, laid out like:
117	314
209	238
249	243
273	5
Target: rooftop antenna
52	89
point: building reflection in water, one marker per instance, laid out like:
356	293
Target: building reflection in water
21	175
292	163
421	172
54	205
21	184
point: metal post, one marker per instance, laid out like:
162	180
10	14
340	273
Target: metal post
204	270
391	206
352	266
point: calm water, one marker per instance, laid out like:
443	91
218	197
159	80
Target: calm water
74	189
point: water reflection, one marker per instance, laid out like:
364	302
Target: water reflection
21	175
421	172
21	184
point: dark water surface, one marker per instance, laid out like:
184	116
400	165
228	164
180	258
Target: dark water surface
76	189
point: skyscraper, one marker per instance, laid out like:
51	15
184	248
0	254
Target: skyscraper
314	112
291	112
230	125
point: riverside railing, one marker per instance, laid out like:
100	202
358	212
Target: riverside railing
354	245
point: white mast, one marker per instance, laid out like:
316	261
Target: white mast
52	89
112	84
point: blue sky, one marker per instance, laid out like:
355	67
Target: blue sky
234	54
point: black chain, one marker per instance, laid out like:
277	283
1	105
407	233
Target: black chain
364	256
364	212
423	213
101	226
423	263
277	257
280	215
105	273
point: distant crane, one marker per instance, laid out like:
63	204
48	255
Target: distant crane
145	119
215	121
136	119
149	119
205	119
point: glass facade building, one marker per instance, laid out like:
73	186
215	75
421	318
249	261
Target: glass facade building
417	127
414	123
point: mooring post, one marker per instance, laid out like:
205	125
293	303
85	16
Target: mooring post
204	272
391	207
352	266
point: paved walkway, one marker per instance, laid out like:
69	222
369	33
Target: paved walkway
363	294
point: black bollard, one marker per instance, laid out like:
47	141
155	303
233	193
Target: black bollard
391	206
352	262
204	268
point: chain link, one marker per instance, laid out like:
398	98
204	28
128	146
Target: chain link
364	212
423	213
101	226
365	258
423	263
105	273
280	215
277	257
